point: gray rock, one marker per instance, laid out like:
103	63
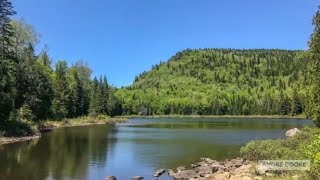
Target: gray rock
203	170
261	170
233	164
181	168
159	172
202	163
216	167
137	178
203	159
269	175
111	178
210	161
292	132
187	174
195	165
171	172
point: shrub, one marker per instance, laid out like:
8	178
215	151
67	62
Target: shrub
102	117
305	145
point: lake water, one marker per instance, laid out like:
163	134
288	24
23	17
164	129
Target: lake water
138	147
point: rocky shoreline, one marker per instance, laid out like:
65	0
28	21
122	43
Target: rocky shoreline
208	169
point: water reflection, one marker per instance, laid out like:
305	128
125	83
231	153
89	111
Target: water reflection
61	154
135	148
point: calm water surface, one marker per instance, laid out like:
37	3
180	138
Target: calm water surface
138	147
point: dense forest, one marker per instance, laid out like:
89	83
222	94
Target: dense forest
222	82
33	88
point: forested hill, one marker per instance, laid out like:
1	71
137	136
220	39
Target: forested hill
220	82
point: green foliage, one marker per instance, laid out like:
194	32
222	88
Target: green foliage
18	124
7	61
114	105
96	101
32	89
296	104
60	100
314	53
23	36
220	82
305	145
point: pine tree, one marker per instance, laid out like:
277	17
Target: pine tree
8	61
6	30
296	107
114	104
60	101
284	104
314	45
96	103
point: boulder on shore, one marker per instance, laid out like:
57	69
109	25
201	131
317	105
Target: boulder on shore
159	172
181	168
137	178
111	178
186	174
292	132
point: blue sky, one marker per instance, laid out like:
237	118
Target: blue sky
121	38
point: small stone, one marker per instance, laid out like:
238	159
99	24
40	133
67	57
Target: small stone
137	178
269	174
195	165
202	170
171	172
202	163
111	178
181	168
257	178
261	170
159	172
210	161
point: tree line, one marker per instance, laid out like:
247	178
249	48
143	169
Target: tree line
193	81
33	88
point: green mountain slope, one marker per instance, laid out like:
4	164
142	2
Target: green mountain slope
221	81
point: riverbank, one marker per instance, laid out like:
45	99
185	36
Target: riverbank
44	126
234	169
303	145
302	117
83	121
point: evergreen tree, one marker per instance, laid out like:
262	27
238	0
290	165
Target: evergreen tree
6	30
96	103
114	104
314	51
77	97
284	104
296	107
8	61
61	95
105	93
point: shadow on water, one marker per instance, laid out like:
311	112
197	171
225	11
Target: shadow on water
60	154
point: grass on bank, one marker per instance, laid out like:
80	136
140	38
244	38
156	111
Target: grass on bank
86	120
300	116
304	146
20	128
